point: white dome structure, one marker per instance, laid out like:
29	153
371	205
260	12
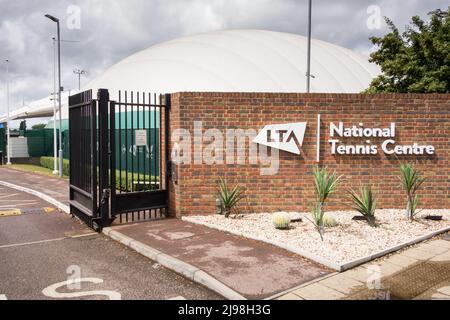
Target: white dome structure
239	61
229	61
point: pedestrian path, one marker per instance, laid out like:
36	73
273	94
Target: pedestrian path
419	272
253	269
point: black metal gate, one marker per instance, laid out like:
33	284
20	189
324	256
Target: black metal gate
118	157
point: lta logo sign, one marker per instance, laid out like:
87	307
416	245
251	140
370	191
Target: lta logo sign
287	137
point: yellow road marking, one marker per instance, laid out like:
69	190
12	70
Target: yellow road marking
49	210
9	213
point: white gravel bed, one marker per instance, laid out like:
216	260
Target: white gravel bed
348	241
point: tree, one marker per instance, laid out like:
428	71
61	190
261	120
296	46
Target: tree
23	125
417	60
39	126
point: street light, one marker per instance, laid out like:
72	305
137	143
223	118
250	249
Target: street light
59	94
8	144
79	73
308	72
55	138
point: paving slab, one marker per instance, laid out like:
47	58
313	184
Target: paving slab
418	254
317	291
342	283
432	248
254	269
445	257
444	290
441	243
385	268
402	261
360	274
290	296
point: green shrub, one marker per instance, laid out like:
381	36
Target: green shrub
281	220
48	162
365	203
411	180
229	197
127	177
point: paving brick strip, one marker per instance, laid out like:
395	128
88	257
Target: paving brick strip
235	267
419	272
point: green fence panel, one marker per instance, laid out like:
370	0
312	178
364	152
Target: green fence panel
40	142
3	141
66	145
129	157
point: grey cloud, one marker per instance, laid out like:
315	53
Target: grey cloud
112	30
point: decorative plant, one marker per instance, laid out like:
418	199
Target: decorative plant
411	180
281	220
325	185
329	221
229	197
365	203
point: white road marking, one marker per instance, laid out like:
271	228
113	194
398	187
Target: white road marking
51	292
63	207
9	195
22	201
3	297
84	235
177	298
30	243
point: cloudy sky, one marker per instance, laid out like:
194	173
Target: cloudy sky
110	30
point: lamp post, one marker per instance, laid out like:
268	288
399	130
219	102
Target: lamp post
79	73
308	72
8	141
59	93
55	138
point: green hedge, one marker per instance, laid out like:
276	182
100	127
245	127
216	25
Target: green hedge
48	162
127	177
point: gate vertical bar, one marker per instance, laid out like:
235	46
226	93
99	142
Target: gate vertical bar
113	150
103	103
167	140
94	181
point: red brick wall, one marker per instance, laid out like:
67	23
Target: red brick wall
419	118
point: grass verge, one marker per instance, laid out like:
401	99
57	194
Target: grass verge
34	169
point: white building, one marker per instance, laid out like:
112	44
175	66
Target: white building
230	61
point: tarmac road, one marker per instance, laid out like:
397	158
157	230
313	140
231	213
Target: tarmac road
43	250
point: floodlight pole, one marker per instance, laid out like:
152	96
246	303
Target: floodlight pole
59	93
8	140
79	72
308	72
55	138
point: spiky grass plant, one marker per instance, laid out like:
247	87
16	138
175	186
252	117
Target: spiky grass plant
324	185
229	197
365	203
411	180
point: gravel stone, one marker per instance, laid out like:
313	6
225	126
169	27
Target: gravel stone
348	241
